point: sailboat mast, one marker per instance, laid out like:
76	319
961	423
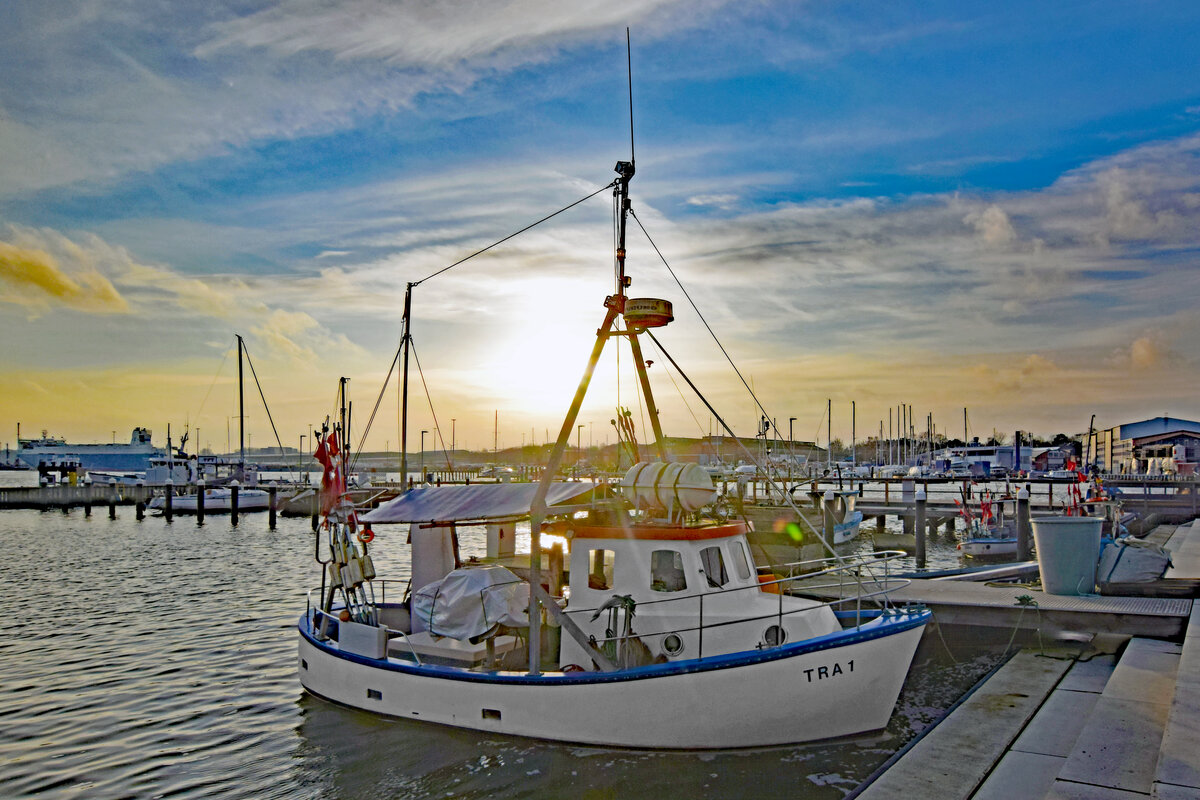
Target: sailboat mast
241	418
407	321
829	434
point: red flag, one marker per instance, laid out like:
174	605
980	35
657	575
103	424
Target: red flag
331	480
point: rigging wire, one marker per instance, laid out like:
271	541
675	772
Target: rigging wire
429	399
378	401
787	495
216	375
516	233
702	319
686	404
266	408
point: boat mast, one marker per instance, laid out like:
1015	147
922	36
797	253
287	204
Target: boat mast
829	434
241	418
407	319
614	307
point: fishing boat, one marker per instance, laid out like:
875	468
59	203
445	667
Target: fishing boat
646	626
989	532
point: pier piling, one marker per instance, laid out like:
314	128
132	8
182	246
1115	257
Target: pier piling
920	528
169	499
200	502
1024	551
272	492
233	503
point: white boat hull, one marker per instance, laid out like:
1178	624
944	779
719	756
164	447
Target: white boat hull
216	501
989	547
837	685
847	530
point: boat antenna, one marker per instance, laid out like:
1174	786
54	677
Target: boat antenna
625	170
629	73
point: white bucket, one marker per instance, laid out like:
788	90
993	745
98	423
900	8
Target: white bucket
1068	549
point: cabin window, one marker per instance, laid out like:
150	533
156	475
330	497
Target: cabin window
740	564
666	571
600	572
714	567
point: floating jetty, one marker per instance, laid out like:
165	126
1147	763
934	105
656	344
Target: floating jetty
1114	720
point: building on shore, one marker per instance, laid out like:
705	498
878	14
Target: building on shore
1152	446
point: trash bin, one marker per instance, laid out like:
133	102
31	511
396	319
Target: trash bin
1068	549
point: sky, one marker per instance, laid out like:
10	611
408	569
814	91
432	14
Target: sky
946	205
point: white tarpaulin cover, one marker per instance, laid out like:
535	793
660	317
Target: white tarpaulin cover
475	503
468	603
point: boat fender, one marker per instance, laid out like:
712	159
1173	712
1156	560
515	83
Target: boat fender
368	567
335	576
353	576
366	535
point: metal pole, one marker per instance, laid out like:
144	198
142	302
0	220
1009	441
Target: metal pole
920	527
404	390
241	419
1024	551
651	408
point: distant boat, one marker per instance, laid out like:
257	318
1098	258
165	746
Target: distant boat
217	500
132	457
989	534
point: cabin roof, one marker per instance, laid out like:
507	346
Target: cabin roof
480	502
656	532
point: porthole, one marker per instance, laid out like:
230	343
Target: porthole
774	636
672	644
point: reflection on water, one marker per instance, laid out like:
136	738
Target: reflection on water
142	659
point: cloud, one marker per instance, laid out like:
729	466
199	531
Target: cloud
1147	353
723	201
39	281
992	225
429	35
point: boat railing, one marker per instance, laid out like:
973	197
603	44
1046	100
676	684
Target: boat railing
845	568
314	612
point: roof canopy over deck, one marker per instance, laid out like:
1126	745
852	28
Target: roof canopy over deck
478	503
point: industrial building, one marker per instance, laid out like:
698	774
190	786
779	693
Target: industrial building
1153	446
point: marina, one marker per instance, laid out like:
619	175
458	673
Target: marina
840	441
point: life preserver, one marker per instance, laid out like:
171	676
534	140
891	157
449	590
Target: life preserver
366	535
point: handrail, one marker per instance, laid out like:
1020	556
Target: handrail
890	584
391	632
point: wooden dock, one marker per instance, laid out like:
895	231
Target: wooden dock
1012	606
1117	721
66	496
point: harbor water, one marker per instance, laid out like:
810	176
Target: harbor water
155	659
